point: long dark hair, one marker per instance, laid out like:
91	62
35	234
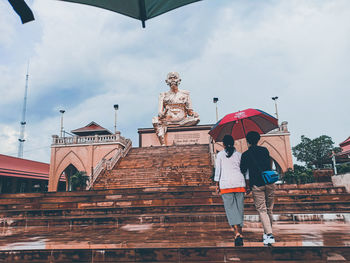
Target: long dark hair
229	143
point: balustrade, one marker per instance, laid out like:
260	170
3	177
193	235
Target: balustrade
88	139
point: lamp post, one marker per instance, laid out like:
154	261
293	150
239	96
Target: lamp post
116	107
215	100
61	133
275	100
334	163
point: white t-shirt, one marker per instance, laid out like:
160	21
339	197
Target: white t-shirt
227	170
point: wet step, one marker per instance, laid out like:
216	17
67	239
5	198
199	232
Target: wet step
188	255
16	216
282	194
150	199
92	220
314	188
125	208
207	242
177	234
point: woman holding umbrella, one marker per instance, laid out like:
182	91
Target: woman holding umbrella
231	184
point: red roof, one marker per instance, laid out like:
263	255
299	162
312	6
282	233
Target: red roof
347	141
91	129
17	167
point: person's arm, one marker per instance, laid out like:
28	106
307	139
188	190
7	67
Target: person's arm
188	104
161	110
247	183
245	172
243	165
268	159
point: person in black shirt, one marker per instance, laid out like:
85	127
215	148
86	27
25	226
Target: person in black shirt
254	161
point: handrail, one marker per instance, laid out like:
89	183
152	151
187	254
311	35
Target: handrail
104	164
116	157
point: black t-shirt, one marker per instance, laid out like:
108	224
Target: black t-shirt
256	159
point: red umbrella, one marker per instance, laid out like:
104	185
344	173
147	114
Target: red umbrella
238	124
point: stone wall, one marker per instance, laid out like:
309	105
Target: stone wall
342	180
323	175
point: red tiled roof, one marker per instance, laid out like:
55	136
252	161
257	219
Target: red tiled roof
17	167
344	153
347	141
91	128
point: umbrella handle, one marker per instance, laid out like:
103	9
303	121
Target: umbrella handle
245	135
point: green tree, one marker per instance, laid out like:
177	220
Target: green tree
299	175
343	168
316	152
79	180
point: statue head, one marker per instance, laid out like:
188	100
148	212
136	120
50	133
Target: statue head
173	78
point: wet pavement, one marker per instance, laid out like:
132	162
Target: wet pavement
174	235
177	224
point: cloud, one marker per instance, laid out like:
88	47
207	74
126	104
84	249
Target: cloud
85	60
8	139
297	50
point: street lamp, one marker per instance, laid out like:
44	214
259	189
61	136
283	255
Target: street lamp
334	163
61	133
275	100
116	107
215	100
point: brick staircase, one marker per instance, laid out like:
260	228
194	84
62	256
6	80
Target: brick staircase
155	224
159	166
178	220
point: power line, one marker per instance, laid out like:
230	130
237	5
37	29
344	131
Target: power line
31	150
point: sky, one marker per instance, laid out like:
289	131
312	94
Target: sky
85	59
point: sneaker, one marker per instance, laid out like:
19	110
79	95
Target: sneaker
268	239
238	241
265	240
271	239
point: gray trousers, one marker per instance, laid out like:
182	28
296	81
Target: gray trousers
263	200
234	207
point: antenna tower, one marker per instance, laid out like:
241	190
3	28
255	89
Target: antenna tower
21	139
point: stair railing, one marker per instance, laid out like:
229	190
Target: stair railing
112	162
104	164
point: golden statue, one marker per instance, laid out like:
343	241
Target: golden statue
175	108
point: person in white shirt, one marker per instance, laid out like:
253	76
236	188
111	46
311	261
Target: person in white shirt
231	185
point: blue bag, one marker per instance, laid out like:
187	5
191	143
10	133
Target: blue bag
270	177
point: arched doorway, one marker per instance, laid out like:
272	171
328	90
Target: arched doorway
66	175
62	185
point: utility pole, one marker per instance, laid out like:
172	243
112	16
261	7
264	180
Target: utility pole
215	101
21	139
116	107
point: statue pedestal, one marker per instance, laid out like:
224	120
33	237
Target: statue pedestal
182	135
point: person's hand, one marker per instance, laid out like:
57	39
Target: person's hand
248	191
190	112
217	189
